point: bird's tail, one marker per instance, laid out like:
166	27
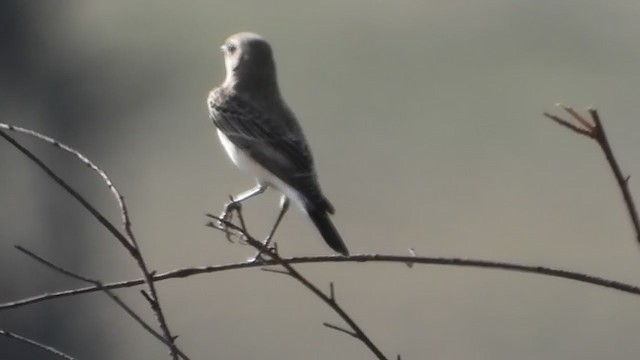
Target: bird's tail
321	220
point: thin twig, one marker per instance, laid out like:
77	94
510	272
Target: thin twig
90	208
103	175
108	292
275	271
130	243
569	125
597	132
577	116
356	258
36	344
327	299
623	183
272	253
412	251
291	271
153	298
338	328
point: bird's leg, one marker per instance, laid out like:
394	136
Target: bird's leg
284	206
235	204
236	201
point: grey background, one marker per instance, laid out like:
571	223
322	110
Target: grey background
425	121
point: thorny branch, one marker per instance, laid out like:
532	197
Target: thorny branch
130	243
36	344
595	130
90	208
356	258
271	253
108	292
103	175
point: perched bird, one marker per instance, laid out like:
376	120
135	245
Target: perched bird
262	136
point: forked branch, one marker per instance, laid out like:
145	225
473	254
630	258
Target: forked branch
356	258
595	130
128	242
271	253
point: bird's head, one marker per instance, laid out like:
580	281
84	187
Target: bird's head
249	62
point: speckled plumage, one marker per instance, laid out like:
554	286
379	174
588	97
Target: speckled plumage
262	135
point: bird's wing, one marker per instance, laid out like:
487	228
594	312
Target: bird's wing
275	143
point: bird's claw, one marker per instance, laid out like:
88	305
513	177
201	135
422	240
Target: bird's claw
221	222
227	216
260	255
229	208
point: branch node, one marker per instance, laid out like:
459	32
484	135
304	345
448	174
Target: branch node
597	132
275	271
341	329
585	132
147	297
410	264
574	114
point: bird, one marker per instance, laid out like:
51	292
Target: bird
262	136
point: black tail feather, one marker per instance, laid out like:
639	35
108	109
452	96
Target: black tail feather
328	231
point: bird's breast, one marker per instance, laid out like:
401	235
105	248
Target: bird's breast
245	163
237	156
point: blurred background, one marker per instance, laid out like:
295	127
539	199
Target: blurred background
425	118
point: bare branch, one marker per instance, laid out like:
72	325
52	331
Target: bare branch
623	184
36	344
569	125
577	116
359	333
153	299
412	251
130	243
108	292
92	210
356	258
597	132
329	300
101	173
276	271
338	328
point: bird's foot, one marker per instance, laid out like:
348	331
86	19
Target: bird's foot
261	256
229	208
226	217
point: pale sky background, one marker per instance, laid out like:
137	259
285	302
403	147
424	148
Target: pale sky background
425	118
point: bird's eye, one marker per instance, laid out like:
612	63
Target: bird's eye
231	48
